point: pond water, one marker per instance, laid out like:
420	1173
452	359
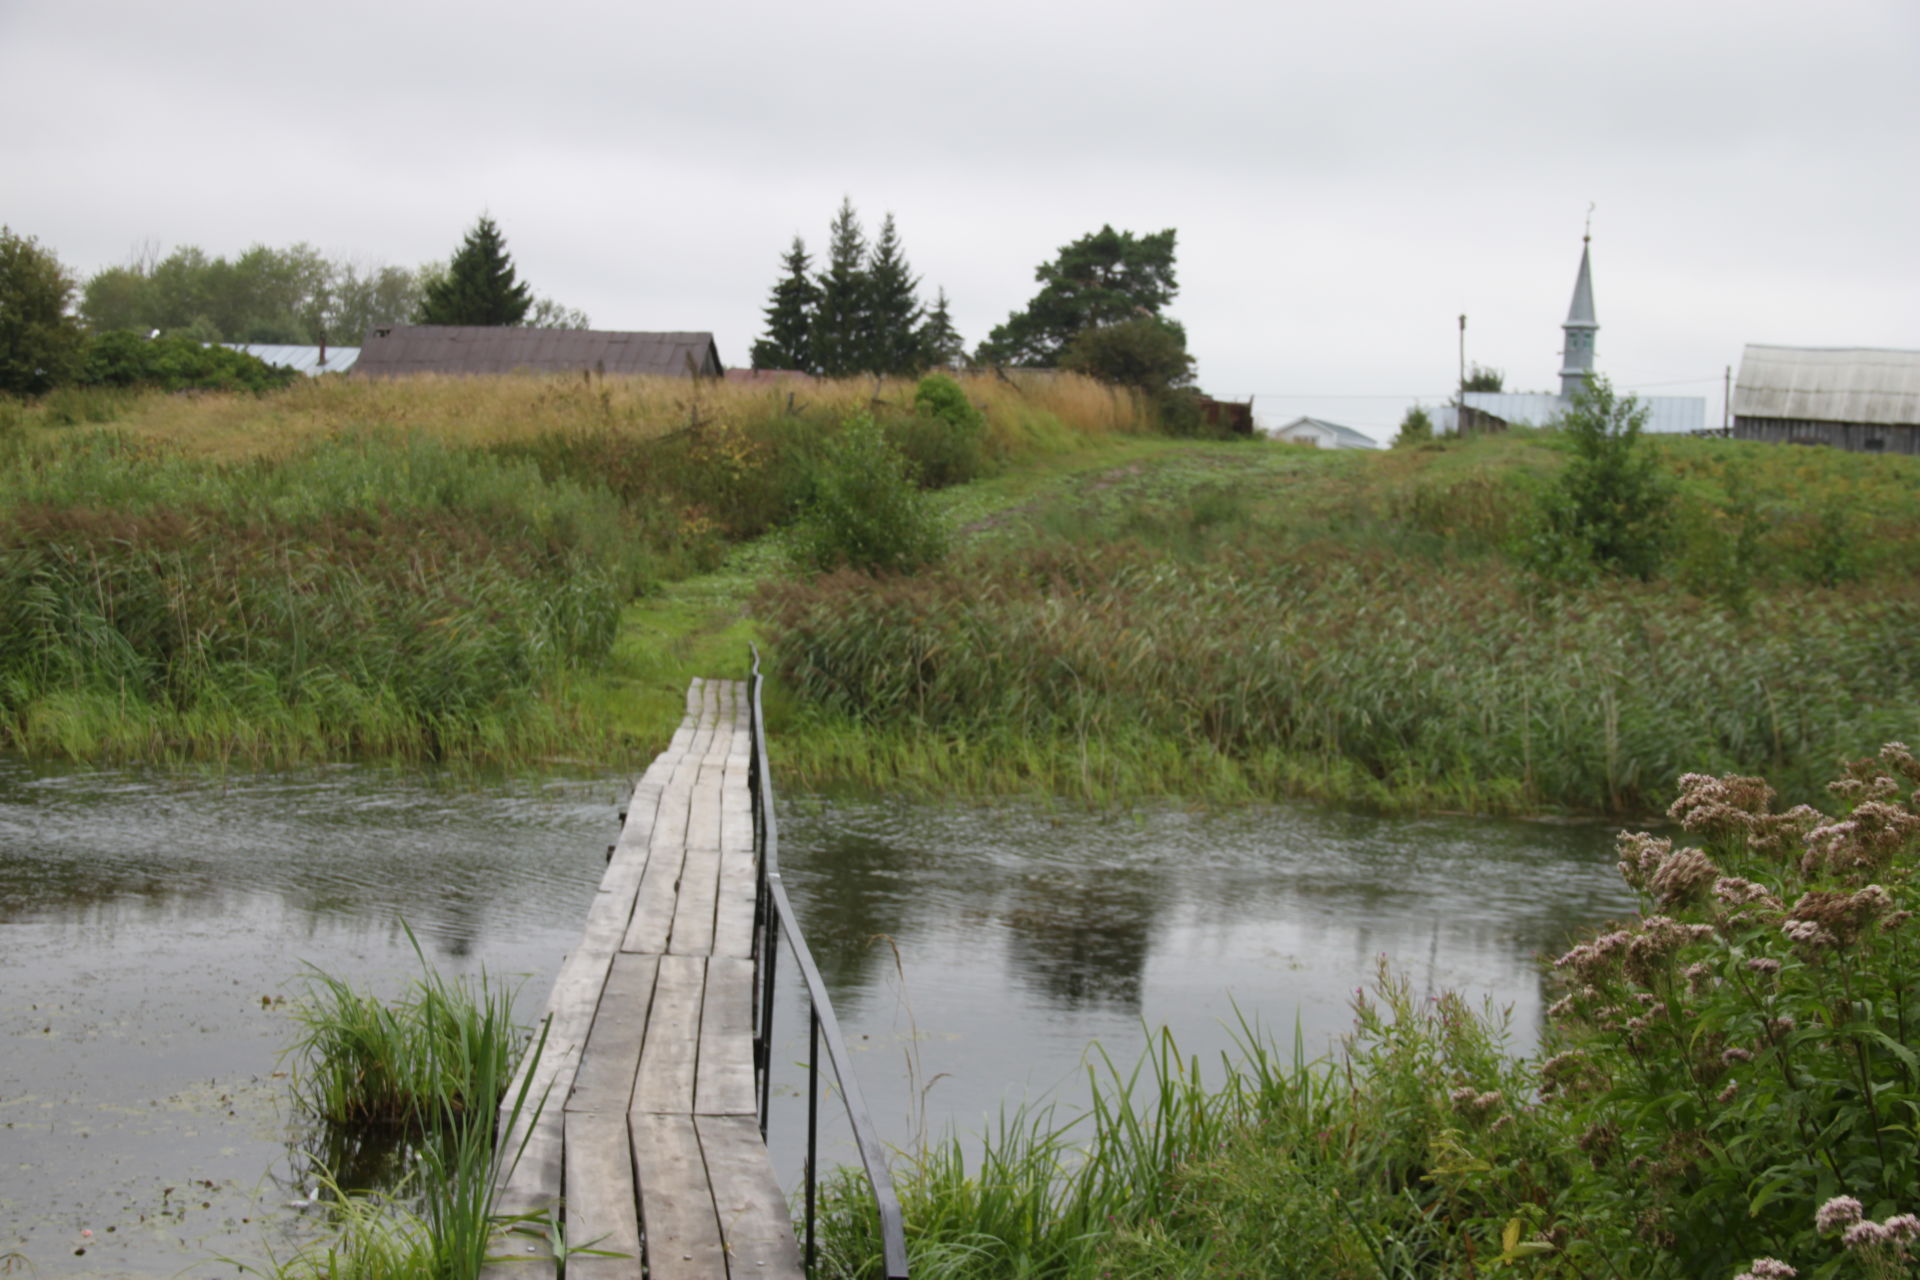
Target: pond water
155	926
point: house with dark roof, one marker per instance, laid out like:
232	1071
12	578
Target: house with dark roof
398	350
1865	399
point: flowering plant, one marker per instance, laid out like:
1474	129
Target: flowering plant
1749	1049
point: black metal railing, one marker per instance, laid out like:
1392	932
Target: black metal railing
773	917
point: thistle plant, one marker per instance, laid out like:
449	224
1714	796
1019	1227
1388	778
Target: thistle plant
1746	1050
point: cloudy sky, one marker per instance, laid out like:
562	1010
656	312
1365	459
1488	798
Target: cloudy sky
1346	179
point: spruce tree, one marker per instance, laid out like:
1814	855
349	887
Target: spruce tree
839	335
893	308
790	315
479	287
940	344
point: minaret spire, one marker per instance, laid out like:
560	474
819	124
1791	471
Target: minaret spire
1576	358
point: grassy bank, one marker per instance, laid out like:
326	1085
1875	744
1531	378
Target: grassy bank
1241	620
434	569
1728	1079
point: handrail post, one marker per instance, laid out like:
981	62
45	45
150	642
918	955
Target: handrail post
813	1124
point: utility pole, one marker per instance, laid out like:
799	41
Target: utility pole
1460	398
1726	404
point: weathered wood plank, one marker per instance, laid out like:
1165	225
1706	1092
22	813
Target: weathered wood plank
724	1082
754	1222
733	917
676	1206
669	1056
611	1058
693	908
654	905
602	1204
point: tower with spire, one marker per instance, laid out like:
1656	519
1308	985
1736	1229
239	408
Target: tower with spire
1576	357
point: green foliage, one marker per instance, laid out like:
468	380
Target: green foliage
375	596
479	287
864	512
1747	1050
1482	378
940	344
1102	278
293	295
790	315
1415	428
1611	510
174	363
894	312
39	341
945	439
839	331
1144	352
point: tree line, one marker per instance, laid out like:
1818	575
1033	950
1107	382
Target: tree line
1100	311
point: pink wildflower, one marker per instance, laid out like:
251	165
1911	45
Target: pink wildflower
1841	1211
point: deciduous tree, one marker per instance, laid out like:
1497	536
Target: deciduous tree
39	342
1100	279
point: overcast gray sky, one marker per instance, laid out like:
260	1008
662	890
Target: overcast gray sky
1346	179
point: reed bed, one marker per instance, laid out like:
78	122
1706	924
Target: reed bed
370	595
1369	674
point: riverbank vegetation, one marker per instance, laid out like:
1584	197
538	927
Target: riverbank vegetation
434	570
1726	1090
423	1076
1241	620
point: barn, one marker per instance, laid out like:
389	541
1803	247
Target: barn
1863	399
398	350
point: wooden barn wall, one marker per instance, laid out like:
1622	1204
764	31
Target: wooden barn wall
1856	437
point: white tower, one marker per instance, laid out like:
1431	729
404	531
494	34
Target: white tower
1576	360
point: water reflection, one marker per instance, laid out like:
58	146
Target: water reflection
1023	934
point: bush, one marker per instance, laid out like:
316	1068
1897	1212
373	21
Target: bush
1611	510
864	511
175	363
945	439
1415	428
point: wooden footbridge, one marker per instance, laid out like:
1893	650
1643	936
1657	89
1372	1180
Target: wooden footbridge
641	1130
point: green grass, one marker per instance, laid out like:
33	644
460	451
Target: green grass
431	1070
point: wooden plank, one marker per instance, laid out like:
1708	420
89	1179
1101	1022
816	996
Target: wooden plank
724	1079
611	1058
669	1056
693	908
754	1222
652	924
676	1207
602	1205
733	917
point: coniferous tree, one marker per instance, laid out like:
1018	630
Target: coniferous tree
940	344
839	333
1100	279
479	287
790	315
893	308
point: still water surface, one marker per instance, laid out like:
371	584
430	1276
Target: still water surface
153	927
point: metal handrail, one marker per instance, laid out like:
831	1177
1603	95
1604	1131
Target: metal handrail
772	913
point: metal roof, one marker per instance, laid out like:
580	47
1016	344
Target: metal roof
1829	384
1580	310
1345	437
1666	415
395	350
305	360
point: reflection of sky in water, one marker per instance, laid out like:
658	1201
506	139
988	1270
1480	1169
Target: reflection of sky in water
144	919
144	916
1025	934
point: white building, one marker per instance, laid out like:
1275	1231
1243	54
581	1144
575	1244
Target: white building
1322	434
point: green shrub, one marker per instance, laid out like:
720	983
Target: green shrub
175	363
1611	510
865	512
945	438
